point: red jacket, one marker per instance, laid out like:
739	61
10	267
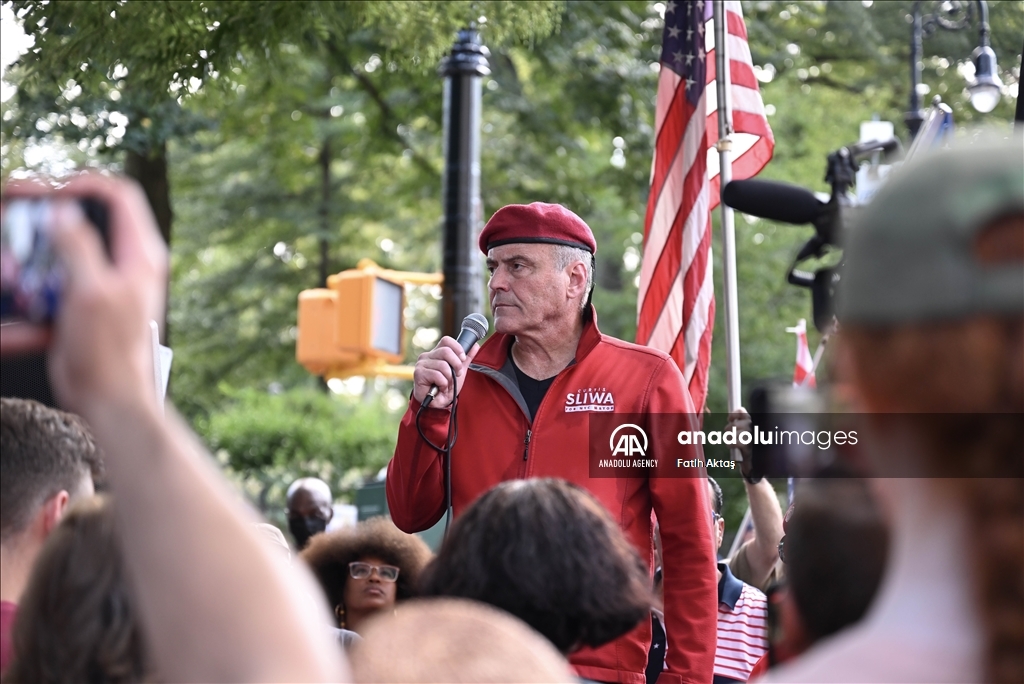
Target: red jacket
497	442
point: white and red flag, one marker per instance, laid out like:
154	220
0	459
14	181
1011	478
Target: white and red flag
803	371
676	302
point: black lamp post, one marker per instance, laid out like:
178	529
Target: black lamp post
463	70
954	15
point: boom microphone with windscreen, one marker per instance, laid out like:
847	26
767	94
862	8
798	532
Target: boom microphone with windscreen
791	204
774	201
474	328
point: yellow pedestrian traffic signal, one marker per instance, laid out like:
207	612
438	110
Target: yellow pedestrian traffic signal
355	325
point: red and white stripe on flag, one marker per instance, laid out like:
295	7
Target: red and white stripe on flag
803	370
676	301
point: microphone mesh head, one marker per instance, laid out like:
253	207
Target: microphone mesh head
477	323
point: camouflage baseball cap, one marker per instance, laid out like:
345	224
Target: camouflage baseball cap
910	253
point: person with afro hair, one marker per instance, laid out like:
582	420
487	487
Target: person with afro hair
366	569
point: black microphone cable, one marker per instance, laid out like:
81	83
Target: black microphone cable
474	328
446	450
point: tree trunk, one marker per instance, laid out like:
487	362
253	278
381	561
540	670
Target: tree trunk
150	171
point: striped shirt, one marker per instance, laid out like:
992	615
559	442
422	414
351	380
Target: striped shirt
742	628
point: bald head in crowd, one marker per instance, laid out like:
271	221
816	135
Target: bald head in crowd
310	508
455	640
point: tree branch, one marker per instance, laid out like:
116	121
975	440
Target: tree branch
389	121
838	85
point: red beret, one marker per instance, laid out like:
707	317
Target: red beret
537	222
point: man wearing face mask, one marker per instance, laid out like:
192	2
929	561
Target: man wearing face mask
309	509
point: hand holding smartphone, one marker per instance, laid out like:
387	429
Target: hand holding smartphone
31	281
31	275
87	274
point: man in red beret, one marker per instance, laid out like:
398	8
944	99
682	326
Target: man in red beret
530	390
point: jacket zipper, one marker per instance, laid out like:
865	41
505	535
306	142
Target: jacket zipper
526	445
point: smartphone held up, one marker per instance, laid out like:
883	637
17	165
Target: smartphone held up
31	285
31	276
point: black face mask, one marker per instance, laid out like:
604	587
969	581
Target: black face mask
304	528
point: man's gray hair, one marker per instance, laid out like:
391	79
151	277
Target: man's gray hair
565	255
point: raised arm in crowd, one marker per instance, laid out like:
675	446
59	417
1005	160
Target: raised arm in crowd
215	603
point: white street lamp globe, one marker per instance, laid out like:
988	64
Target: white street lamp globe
984	97
986	88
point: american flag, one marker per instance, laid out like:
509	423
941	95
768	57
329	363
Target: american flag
803	369
676	303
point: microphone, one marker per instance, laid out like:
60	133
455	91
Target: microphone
773	200
474	328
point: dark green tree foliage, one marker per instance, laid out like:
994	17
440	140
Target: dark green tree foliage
310	432
165	45
145	56
266	440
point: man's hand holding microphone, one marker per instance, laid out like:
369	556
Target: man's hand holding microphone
432	375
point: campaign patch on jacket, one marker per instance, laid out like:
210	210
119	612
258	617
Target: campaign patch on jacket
590	399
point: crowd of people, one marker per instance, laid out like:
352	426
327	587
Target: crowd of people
126	556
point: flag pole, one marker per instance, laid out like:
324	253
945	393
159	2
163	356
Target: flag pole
724	146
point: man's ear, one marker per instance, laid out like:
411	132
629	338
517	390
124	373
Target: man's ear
577	280
52	511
